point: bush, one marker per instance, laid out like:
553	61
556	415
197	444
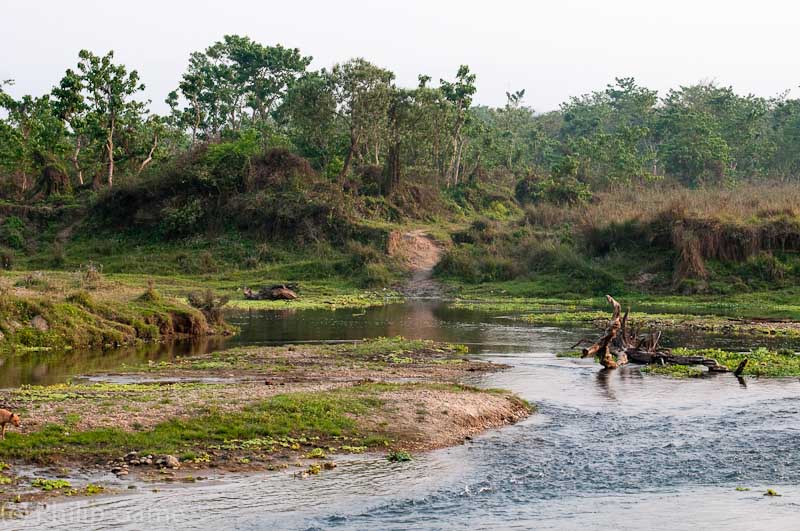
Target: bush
377	276
398	456
182	221
475	264
207	263
82	298
11	232
228	164
210	304
150	294
566	191
90	275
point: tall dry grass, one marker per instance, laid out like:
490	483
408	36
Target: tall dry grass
738	203
732	224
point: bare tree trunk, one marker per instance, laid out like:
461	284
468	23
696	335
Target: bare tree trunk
458	161
75	162
196	123
110	150
349	158
149	158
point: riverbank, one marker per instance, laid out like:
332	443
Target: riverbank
58	310
255	408
756	314
49	311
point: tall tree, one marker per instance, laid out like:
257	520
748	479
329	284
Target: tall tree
32	136
309	112
110	89
458	94
362	94
232	76
70	106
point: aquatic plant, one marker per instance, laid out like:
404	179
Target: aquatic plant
50	484
398	456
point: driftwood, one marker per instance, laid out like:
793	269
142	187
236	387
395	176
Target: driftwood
619	345
272	293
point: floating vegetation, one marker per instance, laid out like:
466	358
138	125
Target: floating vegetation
398	456
675	371
50	484
316	453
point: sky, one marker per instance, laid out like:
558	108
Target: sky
552	49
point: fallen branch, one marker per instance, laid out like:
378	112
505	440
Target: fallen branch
617	346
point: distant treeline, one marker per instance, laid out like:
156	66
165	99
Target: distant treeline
94	127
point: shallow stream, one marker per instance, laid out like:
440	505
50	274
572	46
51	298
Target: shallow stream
606	450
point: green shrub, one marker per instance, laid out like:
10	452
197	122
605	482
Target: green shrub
12	232
82	298
181	221
228	163
377	276
566	191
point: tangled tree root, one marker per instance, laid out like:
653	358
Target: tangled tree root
618	345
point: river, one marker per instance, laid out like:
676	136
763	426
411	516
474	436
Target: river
606	450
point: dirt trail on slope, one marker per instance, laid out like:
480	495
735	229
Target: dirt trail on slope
420	253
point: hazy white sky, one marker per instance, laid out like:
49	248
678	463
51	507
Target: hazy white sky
553	49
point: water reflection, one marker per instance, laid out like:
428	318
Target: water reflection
51	367
482	331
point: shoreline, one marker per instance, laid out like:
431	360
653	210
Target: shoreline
272	408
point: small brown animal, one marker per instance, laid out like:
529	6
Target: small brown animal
7	416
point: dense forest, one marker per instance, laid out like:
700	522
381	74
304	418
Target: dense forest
256	142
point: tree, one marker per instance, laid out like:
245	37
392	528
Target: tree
691	145
361	91
233	75
459	95
70	106
109	91
32	138
309	113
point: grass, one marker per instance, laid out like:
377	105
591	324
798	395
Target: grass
370	354
519	296
322	414
107	317
675	371
762	362
341	419
50	484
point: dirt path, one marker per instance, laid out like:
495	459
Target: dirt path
420	253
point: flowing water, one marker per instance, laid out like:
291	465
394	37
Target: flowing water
606	450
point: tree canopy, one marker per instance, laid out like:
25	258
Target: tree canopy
94	125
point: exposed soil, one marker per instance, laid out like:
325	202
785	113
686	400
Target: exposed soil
230	380
420	253
434	418
411	387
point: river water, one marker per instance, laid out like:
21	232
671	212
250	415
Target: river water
606	450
